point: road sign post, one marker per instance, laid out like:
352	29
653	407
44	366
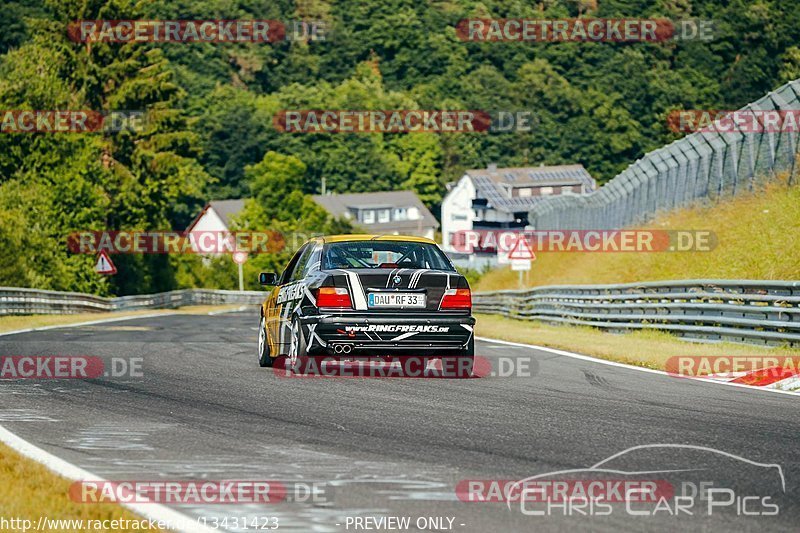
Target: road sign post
521	256
240	258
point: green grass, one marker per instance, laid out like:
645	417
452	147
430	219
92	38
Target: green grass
28	490
647	348
758	238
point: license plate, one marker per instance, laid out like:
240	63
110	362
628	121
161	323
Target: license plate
396	299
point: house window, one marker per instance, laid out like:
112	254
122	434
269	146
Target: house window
413	213
400	213
544	191
566	190
368	216
524	192
458	239
383	215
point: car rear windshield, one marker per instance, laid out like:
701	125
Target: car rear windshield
384	254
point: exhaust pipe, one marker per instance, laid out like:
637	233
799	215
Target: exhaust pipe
342	348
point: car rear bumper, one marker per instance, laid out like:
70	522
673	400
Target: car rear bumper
418	334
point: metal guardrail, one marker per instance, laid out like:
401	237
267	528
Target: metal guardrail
753	312
18	301
706	166
761	312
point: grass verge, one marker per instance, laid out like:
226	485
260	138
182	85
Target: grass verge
28	490
757	239
645	348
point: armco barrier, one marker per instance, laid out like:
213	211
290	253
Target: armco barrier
754	312
761	312
17	301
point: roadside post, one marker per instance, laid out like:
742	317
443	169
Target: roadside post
240	258
521	256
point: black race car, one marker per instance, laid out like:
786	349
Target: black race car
366	295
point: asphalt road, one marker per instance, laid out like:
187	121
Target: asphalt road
203	409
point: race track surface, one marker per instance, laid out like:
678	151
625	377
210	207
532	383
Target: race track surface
203	409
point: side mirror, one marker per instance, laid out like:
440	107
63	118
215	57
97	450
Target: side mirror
268	278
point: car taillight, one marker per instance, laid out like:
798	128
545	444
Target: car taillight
333	297
457	299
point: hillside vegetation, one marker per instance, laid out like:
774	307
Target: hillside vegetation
757	239
209	130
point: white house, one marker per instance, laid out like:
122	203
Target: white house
500	198
216	215
385	212
214	220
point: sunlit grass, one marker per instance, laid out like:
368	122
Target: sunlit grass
758	238
28	490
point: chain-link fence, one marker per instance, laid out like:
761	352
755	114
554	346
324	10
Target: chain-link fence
704	165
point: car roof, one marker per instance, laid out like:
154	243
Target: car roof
354	238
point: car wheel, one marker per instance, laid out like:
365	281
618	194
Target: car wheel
468	358
298	354
264	359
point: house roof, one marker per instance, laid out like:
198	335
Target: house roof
225	209
339	204
491	183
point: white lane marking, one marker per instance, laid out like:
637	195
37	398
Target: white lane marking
630	367
113	319
153	511
24	415
80	324
222	312
114	437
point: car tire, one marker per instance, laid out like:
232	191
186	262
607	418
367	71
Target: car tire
467	356
264	359
298	352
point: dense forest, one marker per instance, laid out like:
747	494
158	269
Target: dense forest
209	131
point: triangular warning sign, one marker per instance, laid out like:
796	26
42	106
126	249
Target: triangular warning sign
522	250
104	264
